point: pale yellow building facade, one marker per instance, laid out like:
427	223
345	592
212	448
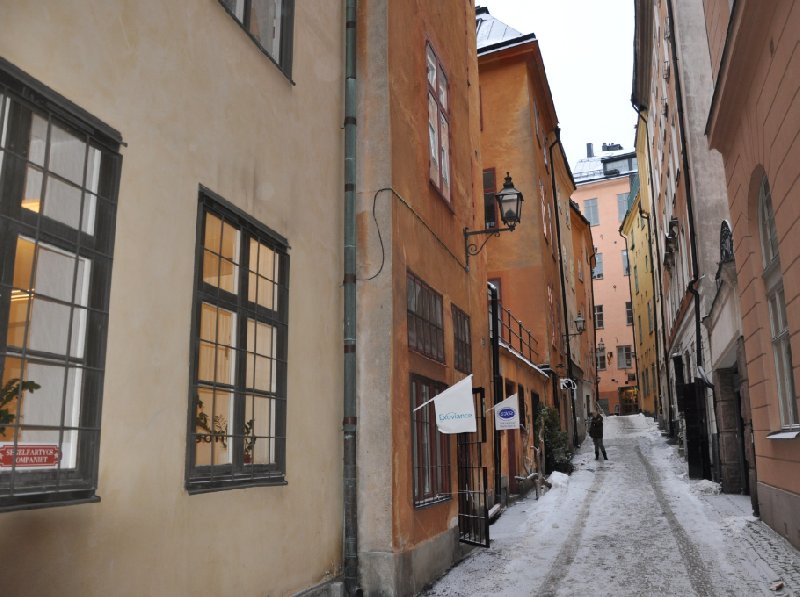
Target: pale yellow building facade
163	165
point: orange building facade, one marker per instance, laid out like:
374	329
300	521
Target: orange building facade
422	317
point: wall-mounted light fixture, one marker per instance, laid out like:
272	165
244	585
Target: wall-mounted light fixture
580	327
509	200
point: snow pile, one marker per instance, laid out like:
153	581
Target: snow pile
705	487
558	479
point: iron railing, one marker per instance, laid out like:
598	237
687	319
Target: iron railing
516	336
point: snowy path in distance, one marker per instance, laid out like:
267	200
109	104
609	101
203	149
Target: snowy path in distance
632	525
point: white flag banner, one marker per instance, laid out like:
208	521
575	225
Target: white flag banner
455	411
506	413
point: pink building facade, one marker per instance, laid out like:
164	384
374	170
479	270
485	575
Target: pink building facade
603	186
755	128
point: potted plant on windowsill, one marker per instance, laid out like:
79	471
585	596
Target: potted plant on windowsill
12	389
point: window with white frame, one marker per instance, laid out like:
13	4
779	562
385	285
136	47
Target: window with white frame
624	356
59	176
591	213
238	393
597	272
779	328
269	23
438	124
626	270
598	317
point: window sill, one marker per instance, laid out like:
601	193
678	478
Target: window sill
38	502
198	487
432	502
784	434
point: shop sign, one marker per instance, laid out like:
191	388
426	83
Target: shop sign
29	455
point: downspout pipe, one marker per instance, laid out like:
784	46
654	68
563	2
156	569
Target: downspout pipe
349	419
633	320
657	263
497	383
555	142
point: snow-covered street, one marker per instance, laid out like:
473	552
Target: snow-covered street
632	525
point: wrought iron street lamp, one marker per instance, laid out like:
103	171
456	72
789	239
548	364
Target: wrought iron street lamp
580	327
509	202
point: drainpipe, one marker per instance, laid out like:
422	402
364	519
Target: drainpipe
633	319
657	263
349	420
557	140
497	384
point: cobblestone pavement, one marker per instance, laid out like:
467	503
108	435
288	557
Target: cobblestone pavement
634	525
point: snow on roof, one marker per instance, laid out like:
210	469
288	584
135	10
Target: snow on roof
492	31
591	168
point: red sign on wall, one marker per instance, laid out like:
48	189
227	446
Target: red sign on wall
28	455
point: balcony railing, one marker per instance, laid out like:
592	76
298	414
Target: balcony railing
516	336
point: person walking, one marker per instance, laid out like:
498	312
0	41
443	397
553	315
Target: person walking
596	433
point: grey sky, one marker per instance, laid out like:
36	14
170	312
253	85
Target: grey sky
587	47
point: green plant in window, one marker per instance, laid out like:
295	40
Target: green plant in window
249	441
13	388
220	425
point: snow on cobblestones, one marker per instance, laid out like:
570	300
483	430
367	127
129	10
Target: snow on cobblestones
632	525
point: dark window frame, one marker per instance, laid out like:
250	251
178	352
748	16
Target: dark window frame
286	52
427	442
628	312
490	211
239	473
462	340
425	335
58	486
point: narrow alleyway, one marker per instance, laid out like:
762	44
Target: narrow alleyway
634	525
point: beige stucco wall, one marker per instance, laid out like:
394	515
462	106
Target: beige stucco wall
197	103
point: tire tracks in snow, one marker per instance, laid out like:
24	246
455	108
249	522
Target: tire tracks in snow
566	555
698	574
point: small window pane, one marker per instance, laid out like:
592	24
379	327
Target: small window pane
442	90
259	441
38	141
63	203
210	268
214	412
445	159
265	24
432	70
433	138
67	155
32	198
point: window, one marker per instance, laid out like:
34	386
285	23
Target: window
779	328
624	357
237	427
590	207
438	125
489	201
598	317
639	325
59	174
628	313
462	340
545	212
622	206
601	360
636	278
270	24
425	332
626	270
597	272
430	449
649	317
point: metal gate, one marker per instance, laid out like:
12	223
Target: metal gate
473	510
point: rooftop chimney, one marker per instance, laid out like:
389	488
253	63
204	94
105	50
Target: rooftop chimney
612	147
589	150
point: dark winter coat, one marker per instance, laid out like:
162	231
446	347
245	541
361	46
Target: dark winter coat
596	427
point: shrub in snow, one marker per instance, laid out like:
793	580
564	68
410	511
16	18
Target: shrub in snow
557	455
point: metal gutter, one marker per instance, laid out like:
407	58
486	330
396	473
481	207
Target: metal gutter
349	419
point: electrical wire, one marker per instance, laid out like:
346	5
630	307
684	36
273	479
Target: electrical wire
418	217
